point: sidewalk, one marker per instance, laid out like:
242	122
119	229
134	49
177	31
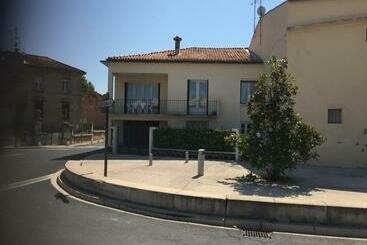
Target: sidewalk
316	195
11	147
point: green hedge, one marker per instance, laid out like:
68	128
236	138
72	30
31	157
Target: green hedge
192	139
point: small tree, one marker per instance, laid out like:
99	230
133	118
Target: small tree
87	86
278	139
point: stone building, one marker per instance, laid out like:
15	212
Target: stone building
38	95
91	110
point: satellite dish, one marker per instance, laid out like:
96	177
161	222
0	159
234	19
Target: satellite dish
261	11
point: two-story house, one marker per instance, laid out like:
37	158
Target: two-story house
190	87
37	92
326	44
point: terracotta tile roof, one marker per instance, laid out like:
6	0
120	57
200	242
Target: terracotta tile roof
42	61
36	60
193	55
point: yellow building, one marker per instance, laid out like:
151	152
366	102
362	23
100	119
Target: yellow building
325	42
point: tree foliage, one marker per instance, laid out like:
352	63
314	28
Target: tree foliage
87	86
278	139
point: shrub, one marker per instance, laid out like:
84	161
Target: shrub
192	139
278	139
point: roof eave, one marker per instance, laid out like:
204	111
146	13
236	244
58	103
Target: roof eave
72	69
105	62
181	62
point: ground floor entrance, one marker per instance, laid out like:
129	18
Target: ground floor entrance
134	136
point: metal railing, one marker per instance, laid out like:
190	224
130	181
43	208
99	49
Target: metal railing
165	107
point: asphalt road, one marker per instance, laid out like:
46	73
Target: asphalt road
32	211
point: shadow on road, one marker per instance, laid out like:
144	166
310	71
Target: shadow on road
80	156
62	197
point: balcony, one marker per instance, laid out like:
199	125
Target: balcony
165	107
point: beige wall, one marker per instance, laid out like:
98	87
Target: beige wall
269	38
303	12
327	52
329	63
224	84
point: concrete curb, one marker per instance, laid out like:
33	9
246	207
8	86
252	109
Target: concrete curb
230	212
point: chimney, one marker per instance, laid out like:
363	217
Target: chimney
177	44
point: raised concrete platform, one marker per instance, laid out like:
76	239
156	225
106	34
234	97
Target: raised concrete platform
316	200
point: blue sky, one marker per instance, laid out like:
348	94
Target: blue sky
82	32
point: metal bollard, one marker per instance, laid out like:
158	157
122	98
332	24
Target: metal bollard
201	158
186	157
150	159
237	153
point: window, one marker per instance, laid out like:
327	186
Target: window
66	86
245	127
247	89
249	126
38	109
38	84
139	91
142	98
335	116
197	97
65	110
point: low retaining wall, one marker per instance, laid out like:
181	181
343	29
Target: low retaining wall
95	136
157	199
229	211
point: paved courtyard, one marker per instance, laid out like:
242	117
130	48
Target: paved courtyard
307	185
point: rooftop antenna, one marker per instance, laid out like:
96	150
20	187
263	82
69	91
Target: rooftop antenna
254	4
15	40
261	12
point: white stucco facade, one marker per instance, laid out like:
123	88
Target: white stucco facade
223	85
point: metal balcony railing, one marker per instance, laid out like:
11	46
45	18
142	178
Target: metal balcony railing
165	107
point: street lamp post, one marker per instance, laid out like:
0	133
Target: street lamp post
106	143
106	104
